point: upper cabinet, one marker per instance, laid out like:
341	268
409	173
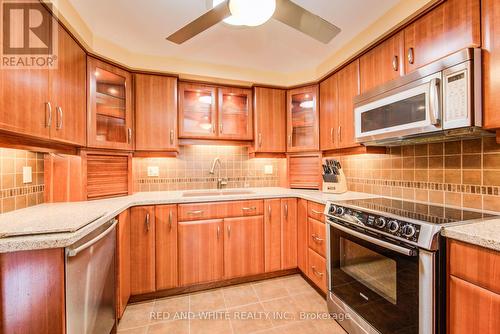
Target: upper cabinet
302	119
47	103
155	113
490	18
208	112
450	27
110	118
337	108
383	63
270	120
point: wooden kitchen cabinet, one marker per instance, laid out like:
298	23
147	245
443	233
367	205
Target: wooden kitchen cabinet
490	19
155	113
289	233
123	262
450	27
316	269
317	236
235	113
270	120
348	88
243	246
166	246
110	110
302	119
329	113
304	171
383	63
201	251
142	250
47	103
302	246
272	234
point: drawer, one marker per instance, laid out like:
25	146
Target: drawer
475	264
220	210
315	211
316	270
316	236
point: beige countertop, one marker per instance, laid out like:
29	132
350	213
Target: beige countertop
62	224
485	233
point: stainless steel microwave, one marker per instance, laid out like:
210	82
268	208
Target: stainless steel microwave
442	99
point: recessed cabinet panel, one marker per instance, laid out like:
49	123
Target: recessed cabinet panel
303	131
197	111
235	113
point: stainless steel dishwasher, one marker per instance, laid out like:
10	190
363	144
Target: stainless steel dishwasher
90	282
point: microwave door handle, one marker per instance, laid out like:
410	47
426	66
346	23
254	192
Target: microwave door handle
434	112
378	242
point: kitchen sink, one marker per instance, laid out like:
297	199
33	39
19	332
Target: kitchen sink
216	193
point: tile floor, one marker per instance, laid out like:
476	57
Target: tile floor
268	307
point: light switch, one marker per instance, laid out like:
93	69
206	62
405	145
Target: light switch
268	169
27	176
153	171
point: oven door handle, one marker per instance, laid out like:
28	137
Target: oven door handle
396	248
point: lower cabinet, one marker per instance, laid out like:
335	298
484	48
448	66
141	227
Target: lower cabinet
316	269
289	233
243	246
201	251
142	250
166	246
123	262
272	235
302	235
312	243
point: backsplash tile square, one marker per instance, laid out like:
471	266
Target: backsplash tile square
190	170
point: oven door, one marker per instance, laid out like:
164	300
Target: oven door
412	109
376	279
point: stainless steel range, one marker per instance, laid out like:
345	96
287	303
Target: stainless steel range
386	264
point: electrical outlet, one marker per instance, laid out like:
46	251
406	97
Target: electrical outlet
268	169
27	175
153	171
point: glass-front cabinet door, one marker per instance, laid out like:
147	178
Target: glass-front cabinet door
302	119
110	106
235	113
197	111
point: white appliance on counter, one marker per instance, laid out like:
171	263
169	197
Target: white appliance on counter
436	102
90	282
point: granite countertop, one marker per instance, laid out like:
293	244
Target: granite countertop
62	224
485	233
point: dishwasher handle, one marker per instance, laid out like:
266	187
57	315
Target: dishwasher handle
74	252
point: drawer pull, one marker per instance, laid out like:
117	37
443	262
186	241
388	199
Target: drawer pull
317	273
252	208
395	64
316	212
195	212
270	211
147	222
317	239
170	219
286	210
218	232
411	56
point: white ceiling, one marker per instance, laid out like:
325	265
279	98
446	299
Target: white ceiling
141	27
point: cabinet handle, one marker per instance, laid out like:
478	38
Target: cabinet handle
316	212
129	135
59	124
171	137
218	232
411	56
147	222
252	208
315	272
213	127
269	210
395	64
286	210
220	128
229	231
170	220
332	135
195	212
49	116
289	141
317	239
260	139
340	133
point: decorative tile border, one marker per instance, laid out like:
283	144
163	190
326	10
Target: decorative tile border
13	192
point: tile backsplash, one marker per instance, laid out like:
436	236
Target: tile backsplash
14	194
459	173
190	170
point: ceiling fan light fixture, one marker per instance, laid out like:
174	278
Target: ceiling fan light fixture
249	12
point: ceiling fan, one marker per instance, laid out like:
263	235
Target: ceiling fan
257	12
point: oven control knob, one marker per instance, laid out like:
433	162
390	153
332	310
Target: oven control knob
380	222
393	226
333	209
408	231
340	211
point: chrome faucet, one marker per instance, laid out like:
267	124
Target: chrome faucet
220	181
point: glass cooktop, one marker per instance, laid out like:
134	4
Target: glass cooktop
429	213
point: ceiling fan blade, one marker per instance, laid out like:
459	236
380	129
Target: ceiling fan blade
303	20
202	23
